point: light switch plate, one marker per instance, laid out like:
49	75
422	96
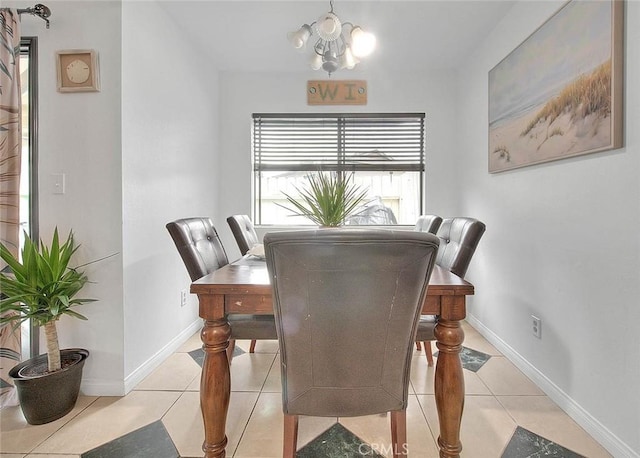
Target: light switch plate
58	183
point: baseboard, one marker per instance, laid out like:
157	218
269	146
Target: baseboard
152	363
96	387
100	388
597	430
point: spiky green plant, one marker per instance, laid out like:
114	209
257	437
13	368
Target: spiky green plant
42	287
327	199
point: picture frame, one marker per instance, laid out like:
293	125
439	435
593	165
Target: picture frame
559	93
77	70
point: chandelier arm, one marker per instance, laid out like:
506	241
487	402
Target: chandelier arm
341	46
352	27
320	46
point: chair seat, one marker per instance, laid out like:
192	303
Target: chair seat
426	327
260	327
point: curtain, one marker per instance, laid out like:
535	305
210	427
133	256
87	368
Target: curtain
10	152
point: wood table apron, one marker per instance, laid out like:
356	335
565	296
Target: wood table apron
243	287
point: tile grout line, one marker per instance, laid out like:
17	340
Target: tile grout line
32	449
254	405
426	420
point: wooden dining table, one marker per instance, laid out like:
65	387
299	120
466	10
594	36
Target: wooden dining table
243	287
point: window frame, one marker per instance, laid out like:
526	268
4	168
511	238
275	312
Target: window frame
29	48
345	124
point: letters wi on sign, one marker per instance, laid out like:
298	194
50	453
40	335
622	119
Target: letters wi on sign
345	92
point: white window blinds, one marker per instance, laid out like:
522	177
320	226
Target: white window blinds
338	142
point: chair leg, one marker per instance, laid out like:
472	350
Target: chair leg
429	353
252	347
290	436
399	432
418	346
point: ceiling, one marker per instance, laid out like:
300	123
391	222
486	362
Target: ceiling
411	35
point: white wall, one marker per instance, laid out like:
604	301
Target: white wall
562	243
136	155
170	137
79	135
242	94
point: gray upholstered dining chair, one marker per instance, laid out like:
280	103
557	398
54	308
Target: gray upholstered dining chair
431	224
459	238
246	237
243	231
428	223
347	303
202	252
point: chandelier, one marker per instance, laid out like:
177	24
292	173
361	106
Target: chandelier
333	49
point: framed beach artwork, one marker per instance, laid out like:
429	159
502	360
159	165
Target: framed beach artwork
559	93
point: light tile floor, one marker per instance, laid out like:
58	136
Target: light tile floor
499	400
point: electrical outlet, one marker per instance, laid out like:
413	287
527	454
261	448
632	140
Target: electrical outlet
536	326
183	298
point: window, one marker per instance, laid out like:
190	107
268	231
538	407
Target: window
383	153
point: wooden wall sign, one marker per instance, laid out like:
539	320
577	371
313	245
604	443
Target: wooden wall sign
345	92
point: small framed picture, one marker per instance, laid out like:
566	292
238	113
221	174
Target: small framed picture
77	70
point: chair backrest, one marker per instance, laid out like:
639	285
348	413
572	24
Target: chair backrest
346	303
428	223
243	231
459	238
198	244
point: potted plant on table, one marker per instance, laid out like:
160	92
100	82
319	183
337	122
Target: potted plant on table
327	200
41	287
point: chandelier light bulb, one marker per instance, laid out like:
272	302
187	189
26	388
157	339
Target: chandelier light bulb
362	43
347	60
299	38
329	27
316	61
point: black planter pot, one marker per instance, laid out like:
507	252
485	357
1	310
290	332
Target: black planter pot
47	397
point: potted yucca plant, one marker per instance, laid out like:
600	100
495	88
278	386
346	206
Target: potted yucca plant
41	287
327	200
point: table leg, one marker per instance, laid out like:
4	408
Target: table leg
449	386
215	386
